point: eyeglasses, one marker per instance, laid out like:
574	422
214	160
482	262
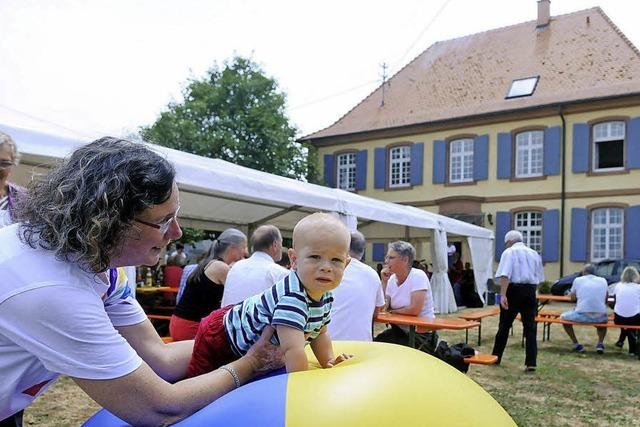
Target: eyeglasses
5	164
163	226
388	257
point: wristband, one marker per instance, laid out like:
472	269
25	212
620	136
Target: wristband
233	374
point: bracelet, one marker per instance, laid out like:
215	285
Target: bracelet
233	374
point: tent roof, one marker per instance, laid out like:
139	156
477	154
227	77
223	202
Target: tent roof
216	192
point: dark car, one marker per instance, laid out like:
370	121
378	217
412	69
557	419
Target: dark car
610	269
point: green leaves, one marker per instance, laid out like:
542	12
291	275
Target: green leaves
235	113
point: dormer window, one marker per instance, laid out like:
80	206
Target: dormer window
523	87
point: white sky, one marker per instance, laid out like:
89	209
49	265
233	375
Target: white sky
93	67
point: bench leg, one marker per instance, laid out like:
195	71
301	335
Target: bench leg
480	333
466	336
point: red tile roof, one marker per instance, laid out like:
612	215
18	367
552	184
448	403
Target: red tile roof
578	56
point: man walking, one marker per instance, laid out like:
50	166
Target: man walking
520	272
253	275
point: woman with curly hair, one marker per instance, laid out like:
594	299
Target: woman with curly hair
65	310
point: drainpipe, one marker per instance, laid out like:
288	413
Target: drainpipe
563	189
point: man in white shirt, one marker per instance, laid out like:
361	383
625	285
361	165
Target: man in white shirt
358	298
253	275
520	271
590	292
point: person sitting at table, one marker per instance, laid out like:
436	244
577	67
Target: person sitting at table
627	308
8	191
407	291
205	286
590	292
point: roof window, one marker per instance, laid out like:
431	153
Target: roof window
523	87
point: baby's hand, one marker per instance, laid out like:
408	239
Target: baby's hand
341	358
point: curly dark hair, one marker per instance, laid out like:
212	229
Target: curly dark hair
82	209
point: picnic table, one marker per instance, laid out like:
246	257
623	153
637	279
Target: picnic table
424	323
544	299
150	290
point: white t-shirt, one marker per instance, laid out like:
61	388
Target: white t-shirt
57	319
627	299
521	265
354	302
400	296
591	292
251	276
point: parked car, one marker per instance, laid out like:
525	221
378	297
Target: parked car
610	269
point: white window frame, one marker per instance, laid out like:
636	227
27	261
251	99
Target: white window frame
531	143
461	160
609	229
346	171
608	136
529	223
400	166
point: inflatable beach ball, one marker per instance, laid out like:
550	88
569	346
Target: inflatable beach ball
383	385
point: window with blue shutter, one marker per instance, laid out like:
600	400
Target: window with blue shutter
552	153
379	167
329	170
378	252
580	158
633	144
503	225
439	161
504	155
579	223
417	161
550	235
361	170
632	232
481	158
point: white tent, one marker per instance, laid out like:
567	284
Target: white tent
216	194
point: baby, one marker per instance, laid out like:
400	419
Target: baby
298	306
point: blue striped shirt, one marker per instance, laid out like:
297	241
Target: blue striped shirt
285	303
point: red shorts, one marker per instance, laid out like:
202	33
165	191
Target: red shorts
211	348
182	329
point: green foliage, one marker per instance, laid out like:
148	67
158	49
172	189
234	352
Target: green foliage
235	113
544	287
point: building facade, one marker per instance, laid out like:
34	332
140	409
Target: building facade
534	127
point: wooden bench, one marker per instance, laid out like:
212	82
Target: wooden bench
167	340
549	320
477	316
546	317
158	317
482	359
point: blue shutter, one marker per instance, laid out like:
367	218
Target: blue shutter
504	155
503	225
550	235
378	252
632	232
633	144
481	158
552	159
579	235
330	170
417	160
439	161
361	170
380	168
580	148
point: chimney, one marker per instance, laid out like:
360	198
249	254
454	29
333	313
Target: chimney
544	13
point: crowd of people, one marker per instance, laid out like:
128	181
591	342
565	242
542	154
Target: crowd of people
239	314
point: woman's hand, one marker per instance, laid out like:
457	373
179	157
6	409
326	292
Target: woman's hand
263	355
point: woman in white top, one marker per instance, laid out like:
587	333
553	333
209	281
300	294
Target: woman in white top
407	291
8	192
627	308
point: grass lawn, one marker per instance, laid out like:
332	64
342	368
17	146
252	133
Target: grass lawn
567	390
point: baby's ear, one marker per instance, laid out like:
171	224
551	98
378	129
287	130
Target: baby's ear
347	261
292	258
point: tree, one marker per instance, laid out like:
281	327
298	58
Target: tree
237	114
